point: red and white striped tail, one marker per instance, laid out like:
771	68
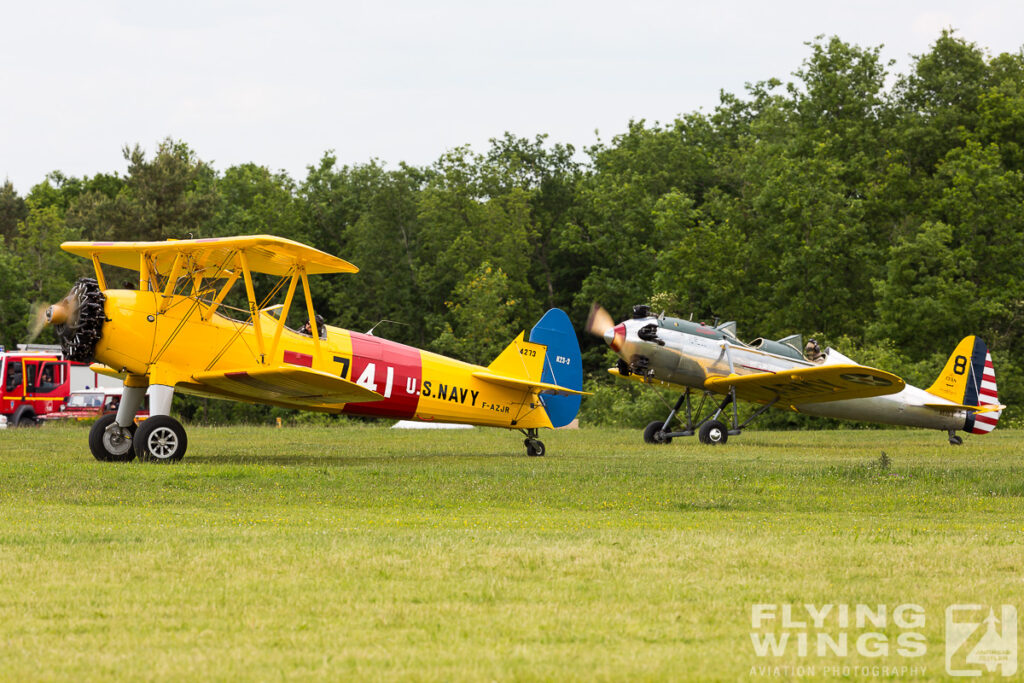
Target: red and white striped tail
987	396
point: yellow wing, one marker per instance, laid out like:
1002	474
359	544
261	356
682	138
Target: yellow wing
295	386
809	385
282	386
213	257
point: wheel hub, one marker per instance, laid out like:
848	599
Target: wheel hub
162	442
116	441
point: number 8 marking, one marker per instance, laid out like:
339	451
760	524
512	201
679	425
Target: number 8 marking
960	365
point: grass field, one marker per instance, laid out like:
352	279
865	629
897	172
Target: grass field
363	553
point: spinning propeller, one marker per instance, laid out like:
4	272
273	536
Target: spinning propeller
601	324
77	319
44	314
599	321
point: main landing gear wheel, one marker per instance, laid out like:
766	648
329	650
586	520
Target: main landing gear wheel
713	433
534	447
161	438
110	444
655	433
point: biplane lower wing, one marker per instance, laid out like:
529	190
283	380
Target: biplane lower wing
809	385
284	385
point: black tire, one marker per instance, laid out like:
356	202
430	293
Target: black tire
161	438
106	449
534	448
24	417
653	433
713	433
956	440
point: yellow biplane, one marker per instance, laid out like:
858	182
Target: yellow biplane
175	333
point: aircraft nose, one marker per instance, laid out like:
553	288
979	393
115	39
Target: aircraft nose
614	336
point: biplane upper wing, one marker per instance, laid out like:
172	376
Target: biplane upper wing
809	385
212	257
282	385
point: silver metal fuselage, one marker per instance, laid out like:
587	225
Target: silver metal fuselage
688	359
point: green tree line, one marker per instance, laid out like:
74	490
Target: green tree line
881	213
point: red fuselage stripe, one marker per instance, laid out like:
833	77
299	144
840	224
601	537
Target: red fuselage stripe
296	358
396	374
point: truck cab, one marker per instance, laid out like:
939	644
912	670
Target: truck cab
33	385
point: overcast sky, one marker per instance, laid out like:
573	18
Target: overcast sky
279	83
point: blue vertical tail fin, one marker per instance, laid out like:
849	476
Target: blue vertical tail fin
563	365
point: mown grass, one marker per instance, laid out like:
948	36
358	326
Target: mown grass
358	552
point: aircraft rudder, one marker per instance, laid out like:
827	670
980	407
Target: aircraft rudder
986	393
969	379
563	364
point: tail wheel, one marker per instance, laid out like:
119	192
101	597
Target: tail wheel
161	438
111	445
655	433
713	433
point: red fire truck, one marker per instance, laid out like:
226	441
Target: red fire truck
33	385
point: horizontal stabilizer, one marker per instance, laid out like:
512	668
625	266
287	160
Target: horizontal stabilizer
820	384
954	407
518	383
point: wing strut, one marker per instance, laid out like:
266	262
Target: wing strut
254	313
314	328
283	315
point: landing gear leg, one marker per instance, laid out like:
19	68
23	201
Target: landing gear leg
110	438
161	438
534	446
954	438
659	432
711	430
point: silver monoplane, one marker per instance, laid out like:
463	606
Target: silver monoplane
709	359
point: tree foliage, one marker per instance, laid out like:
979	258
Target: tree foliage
888	220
